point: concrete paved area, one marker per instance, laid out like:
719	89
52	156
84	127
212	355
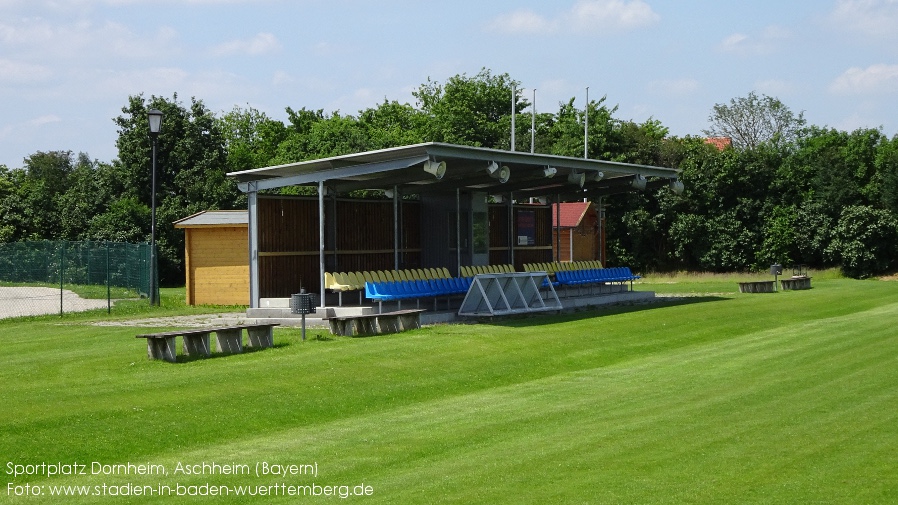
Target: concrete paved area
31	301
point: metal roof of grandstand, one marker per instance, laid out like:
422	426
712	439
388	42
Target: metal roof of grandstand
438	167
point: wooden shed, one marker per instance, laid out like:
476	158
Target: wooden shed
575	232
216	246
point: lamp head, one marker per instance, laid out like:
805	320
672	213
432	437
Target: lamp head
155	119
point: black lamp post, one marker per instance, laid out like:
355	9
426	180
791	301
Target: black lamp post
155	117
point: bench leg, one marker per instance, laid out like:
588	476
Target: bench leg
335	327
387	324
410	322
260	337
161	348
197	345
230	340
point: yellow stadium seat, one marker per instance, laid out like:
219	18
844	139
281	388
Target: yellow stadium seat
329	281
341	282
355	279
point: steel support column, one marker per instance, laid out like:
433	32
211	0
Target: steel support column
321	241
252	197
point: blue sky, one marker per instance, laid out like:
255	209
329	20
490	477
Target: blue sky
68	67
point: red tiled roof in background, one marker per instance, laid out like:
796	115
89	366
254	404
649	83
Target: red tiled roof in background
571	213
720	143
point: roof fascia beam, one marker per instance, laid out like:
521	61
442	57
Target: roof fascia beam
523	158
349	171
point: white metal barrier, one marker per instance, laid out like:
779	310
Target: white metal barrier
509	293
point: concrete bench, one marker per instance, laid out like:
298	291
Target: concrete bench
228	339
799	282
375	324
757	287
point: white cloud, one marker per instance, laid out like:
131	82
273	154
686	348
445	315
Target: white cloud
20	72
616	15
684	86
598	17
879	78
874	18
43	40
262	43
774	87
46	119
770	39
523	22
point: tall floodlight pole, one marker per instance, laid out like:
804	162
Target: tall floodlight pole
533	124
155	118
514	97
586	126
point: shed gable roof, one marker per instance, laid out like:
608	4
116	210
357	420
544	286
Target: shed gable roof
210	218
572	213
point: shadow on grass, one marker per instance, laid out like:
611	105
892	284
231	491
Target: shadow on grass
182	358
537	319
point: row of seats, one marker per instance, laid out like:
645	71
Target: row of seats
486	269
553	267
596	276
401	290
351	281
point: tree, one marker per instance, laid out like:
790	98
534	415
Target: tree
864	241
251	138
46	180
887	170
392	124
191	170
752	120
11	213
473	111
82	200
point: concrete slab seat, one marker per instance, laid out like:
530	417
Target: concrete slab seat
757	287
375	324
795	283
228	339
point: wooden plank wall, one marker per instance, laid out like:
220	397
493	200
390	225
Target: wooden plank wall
539	252
217	269
289	237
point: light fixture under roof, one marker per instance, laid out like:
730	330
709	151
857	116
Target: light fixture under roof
577	178
638	182
677	186
550	171
436	169
496	172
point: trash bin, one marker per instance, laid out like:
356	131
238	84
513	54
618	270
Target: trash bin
303	303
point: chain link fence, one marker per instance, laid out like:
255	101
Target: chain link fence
45	277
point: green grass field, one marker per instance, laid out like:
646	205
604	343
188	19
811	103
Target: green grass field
716	397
